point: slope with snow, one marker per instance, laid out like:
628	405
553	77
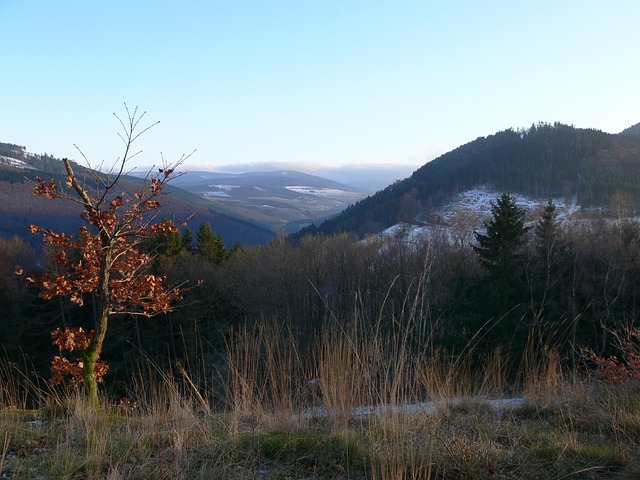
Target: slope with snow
14	162
466	212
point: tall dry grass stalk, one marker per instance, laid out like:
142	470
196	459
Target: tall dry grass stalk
173	401
345	370
541	373
11	392
20	387
401	446
372	383
5	449
266	375
87	432
353	365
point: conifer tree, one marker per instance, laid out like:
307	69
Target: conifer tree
210	245
546	231
503	293
546	267
165	245
499	248
187	239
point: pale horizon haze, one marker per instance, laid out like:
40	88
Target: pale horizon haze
310	85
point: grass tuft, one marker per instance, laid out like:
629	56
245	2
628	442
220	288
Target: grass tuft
366	414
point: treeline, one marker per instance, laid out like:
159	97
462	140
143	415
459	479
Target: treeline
634	130
560	286
12	150
542	162
42	162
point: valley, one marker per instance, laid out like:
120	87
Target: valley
279	200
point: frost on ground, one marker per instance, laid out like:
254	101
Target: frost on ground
479	200
466	212
13	162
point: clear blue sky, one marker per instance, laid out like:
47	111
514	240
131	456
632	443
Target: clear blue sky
311	82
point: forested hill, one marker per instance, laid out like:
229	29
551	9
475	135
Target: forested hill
633	130
19	207
544	161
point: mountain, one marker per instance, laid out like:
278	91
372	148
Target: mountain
633	130
547	160
278	178
19	207
282	199
367	178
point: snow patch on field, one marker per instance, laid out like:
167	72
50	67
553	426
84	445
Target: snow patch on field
215	194
318	191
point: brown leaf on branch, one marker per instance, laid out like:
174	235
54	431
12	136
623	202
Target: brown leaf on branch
74	338
49	190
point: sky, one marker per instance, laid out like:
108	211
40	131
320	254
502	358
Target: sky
309	84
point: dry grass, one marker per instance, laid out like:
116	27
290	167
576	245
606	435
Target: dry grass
278	424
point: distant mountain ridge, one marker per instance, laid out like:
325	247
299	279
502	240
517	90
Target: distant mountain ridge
279	178
547	160
268	200
19	207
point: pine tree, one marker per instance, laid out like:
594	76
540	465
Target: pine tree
546	231
502	294
547	266
499	248
210	245
187	239
165	245
237	248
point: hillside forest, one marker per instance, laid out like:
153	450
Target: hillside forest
521	283
564	285
543	161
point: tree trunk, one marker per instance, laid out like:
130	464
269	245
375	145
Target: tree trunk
92	353
89	360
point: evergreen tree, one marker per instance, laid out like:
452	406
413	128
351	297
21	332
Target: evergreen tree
164	245
547	266
546	231
187	239
499	248
501	297
210	245
236	249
